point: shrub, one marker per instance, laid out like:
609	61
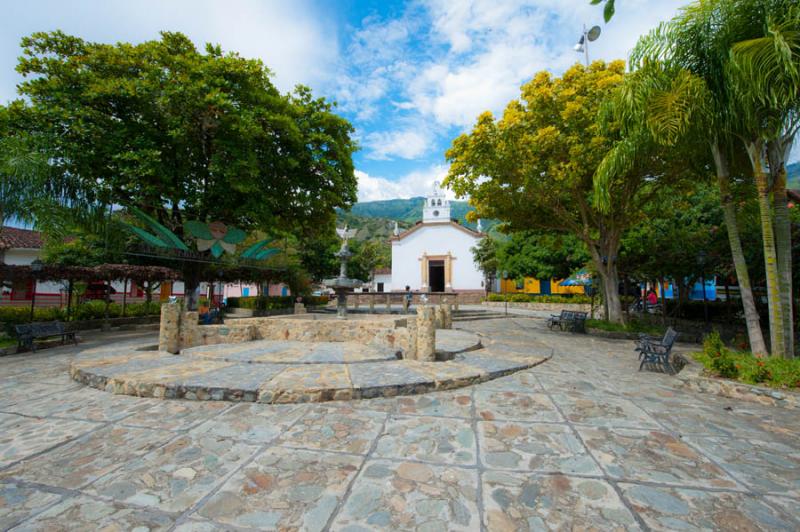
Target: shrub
719	356
91	310
537	298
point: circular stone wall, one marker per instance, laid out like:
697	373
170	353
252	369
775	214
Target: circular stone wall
286	371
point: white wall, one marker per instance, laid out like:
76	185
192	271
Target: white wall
386	279
435	239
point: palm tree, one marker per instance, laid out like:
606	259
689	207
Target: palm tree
765	75
684	90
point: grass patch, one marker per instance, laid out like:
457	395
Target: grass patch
742	366
633	326
7	342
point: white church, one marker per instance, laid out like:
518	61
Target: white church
434	255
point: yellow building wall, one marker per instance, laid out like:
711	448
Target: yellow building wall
533	286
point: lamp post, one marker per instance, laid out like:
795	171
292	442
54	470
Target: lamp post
587	36
701	258
505	292
36	267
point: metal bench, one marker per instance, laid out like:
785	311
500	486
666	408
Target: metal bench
27	333
559	319
569	320
653	350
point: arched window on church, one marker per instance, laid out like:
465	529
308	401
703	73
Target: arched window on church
439	203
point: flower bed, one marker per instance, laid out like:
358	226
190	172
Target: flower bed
742	366
532	298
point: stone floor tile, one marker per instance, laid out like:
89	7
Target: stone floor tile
764	466
86	459
456	403
335	429
786	505
256	423
200	525
722	421
433	439
27	391
496	404
542	447
522	381
86	404
602	410
18	503
82	513
525	501
390	495
174	477
25	436
307	383
632	454
688	509
176	415
284	489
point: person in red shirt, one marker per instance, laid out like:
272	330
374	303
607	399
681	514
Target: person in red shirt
652	298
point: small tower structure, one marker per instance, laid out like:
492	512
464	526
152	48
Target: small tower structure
437	206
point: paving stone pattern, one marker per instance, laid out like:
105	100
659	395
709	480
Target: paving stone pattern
583	441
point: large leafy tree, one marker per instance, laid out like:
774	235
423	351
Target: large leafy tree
533	168
184	135
541	254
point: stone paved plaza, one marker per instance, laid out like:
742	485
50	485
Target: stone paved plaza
582	441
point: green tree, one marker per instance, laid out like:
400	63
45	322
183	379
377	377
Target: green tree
541	254
698	80
533	168
185	135
485	255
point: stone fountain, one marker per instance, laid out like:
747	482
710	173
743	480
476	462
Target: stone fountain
342	284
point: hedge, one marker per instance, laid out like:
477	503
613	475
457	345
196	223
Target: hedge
272	302
92	310
531	298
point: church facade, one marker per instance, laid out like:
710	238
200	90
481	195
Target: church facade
435	255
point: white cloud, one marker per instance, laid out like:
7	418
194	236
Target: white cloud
413	184
405	144
294	39
495	46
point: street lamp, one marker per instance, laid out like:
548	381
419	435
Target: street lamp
586	37
36	268
504	275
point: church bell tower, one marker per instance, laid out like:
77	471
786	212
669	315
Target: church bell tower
437	206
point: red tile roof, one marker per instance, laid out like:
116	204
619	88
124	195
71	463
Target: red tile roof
382	271
12	237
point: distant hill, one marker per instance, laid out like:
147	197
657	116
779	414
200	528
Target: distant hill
793	177
409	211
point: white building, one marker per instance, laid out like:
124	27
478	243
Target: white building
434	255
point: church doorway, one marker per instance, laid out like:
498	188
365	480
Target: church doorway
436	275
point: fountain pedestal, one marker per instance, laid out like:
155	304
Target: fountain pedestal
342	285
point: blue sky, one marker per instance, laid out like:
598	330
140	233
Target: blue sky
410	75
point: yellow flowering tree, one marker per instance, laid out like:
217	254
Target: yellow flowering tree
533	167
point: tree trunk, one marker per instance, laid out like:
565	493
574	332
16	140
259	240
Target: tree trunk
776	325
783	243
605	260
754	333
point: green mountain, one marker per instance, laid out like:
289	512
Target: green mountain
793	176
408	212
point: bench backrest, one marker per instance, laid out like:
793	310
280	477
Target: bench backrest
47	328
669	338
581	315
23	329
567	314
